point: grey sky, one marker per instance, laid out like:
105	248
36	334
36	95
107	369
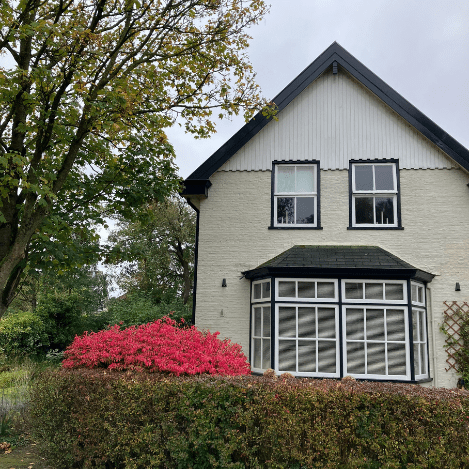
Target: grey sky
419	48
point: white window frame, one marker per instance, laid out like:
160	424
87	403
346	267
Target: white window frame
374	193
417	285
307	300
406	343
420	343
296	195
383	282
262	299
262	337
316	340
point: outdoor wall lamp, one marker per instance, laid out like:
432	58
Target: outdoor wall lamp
223	283
458	287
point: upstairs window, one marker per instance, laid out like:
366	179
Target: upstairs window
374	194
295	195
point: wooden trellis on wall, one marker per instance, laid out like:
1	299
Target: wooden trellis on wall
452	324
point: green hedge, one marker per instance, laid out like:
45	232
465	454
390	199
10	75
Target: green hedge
105	419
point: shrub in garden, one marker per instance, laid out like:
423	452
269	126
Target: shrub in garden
160	346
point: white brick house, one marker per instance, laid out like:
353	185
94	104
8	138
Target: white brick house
329	240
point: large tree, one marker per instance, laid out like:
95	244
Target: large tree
160	250
83	108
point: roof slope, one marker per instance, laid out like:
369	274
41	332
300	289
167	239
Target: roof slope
358	261
336	55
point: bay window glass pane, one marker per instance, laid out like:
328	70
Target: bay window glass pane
373	291
306	290
326	290
353	291
286	289
285	210
420	295
416	359
257	322
257	291
394	291
423	359
375	324
356	358
266	322
364	210
307	356
326	356
305	179
265	289
414	293
422	326
376	359
256	353
396	359
355	329
304	210
307	322
395	323
265	354
287	355
363	177
287	321
285	179
415	325
326	323
384	207
384	177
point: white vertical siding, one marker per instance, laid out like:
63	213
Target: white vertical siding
334	120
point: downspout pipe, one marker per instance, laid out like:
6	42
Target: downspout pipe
196	256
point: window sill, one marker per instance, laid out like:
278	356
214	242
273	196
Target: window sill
375	228
295	228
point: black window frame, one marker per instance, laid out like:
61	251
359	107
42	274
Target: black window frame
398	226
318	195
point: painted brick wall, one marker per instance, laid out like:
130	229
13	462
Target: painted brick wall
234	237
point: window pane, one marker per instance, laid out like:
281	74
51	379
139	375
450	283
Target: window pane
307	322
285	179
286	289
375	324
376	359
265	354
414	293
287	355
257	291
265	290
256	353
257	321
394	291
384	180
422	337
285	210
307	356
353	291
306	290
396	359
356	358
423	359
364	210
305	179
421	298
415	325
326	356
363	177
286	321
326	323
384	210
373	291
326	290
416	359
395	322
355	324
266	322
304	210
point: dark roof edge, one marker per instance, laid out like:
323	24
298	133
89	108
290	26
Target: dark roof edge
335	52
350	272
195	187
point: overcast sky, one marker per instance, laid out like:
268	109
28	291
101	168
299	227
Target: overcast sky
418	47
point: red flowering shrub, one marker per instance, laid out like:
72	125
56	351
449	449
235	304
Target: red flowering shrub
159	346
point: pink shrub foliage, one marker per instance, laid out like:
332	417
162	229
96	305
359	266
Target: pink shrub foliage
159	346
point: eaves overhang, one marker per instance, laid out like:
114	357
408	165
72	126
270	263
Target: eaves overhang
336	57
196	188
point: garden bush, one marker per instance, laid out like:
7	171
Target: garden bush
23	333
102	419
158	346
